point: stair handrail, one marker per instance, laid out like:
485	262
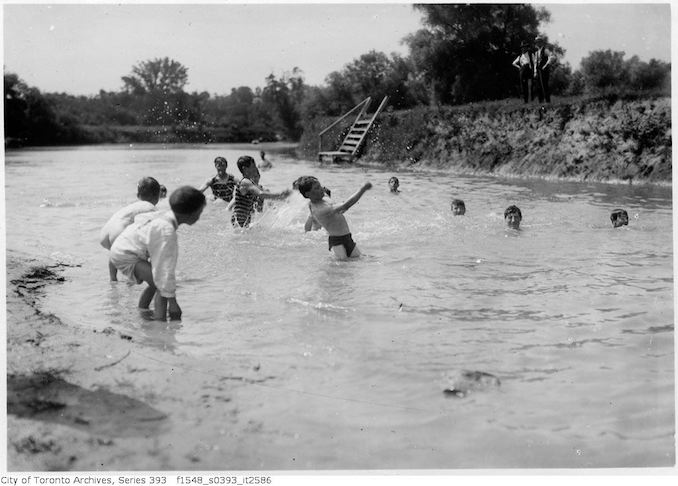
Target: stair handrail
364	103
381	107
371	122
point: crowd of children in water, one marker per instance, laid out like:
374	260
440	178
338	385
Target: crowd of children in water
143	241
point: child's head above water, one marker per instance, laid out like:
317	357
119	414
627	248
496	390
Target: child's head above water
310	188
393	184
187	201
619	217
247	165
148	189
513	216
458	207
163	191
221	164
295	184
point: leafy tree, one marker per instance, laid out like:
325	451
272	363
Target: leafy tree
465	50
283	97
16	121
31	118
604	69
643	75
576	86
157	75
561	77
374	75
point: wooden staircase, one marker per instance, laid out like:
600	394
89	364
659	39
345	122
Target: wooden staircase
347	151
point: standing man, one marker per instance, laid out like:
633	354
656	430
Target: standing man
525	64
543	62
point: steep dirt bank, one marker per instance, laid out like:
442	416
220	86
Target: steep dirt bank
599	139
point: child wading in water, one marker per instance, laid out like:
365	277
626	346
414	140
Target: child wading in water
223	183
147	251
148	193
331	217
248	192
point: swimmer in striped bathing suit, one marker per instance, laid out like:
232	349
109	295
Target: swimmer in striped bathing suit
247	192
223	183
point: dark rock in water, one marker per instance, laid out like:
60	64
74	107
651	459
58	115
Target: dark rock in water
460	383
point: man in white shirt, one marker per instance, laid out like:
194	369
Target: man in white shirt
525	64
543	62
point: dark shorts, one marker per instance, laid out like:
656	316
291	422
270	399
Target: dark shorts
345	240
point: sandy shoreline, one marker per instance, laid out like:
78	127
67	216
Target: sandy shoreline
95	400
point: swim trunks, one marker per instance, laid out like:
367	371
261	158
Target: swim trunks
346	240
125	262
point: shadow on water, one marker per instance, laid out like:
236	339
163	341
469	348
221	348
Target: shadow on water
46	397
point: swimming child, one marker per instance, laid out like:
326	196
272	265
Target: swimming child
265	164
295	185
513	217
331	217
222	184
393	184
148	193
619	217
147	251
163	192
248	192
458	207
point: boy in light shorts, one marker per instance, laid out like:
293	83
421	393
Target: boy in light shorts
148	195
331	217
147	251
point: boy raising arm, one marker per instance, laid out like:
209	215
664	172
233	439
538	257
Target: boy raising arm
331	217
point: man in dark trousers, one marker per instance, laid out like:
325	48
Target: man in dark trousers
543	62
525	64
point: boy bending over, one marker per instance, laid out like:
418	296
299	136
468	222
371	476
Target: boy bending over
331	217
148	194
147	251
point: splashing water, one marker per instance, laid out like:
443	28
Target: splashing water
573	317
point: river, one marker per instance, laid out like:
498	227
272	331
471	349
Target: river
574	318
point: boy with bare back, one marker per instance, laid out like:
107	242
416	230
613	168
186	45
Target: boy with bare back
148	195
331	217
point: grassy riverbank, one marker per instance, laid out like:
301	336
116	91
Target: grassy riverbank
606	138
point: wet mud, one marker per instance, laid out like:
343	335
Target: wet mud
47	397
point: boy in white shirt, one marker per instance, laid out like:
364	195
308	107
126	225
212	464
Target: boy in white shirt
147	251
148	193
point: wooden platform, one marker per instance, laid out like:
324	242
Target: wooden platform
334	157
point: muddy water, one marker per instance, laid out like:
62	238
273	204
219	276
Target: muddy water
342	365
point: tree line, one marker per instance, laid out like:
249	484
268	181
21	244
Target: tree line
462	54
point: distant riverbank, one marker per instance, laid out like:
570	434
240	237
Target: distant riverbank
603	139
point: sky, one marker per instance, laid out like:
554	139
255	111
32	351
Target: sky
82	48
